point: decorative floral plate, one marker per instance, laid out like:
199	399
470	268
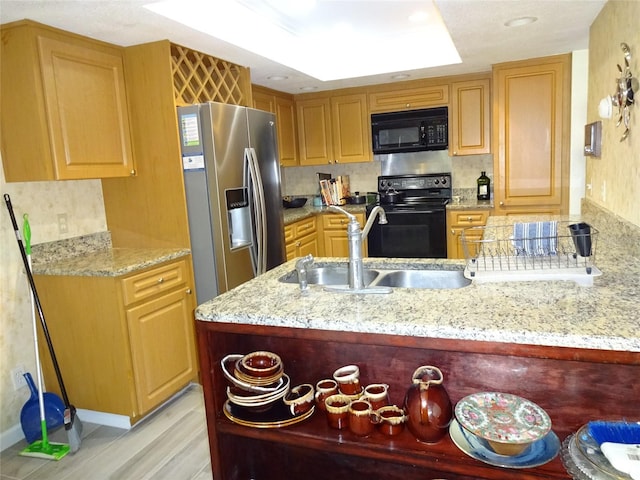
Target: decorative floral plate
502	417
538	453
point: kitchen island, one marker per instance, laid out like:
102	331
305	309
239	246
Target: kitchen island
573	350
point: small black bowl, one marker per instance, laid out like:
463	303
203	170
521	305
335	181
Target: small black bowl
293	202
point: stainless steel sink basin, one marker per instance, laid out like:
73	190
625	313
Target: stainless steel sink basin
436	279
331	275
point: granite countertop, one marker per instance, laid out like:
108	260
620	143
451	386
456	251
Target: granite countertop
550	313
292	215
92	255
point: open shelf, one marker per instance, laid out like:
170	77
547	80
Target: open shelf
568	385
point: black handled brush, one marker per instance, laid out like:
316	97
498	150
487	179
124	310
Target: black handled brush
72	423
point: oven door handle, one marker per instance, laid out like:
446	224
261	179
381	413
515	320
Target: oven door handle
399	210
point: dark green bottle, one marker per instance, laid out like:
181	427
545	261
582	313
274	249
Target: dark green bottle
484	187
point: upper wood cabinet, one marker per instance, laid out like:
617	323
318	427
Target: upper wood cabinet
333	129
283	107
64	106
408	98
470	117
314	130
351	126
531	135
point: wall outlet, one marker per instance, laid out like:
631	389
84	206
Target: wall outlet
17	376
63	226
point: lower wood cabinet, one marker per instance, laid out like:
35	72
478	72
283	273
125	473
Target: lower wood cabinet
334	235
124	344
301	238
457	221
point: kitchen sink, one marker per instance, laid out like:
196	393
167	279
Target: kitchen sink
436	279
331	275
338	275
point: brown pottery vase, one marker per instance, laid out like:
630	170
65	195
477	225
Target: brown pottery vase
428	405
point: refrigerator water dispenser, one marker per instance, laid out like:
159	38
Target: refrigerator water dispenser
239	215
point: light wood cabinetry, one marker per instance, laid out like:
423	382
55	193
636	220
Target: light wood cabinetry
333	129
457	221
391	100
334	235
314	130
283	107
125	344
531	135
351	126
301	238
470	117
64	106
150	210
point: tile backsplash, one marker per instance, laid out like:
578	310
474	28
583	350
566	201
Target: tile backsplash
364	176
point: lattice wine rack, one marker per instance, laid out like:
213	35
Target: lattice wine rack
199	78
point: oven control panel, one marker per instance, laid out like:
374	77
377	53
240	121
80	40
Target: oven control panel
414	182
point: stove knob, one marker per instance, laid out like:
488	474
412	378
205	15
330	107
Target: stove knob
444	180
437	181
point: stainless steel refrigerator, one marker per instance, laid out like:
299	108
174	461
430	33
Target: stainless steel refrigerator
234	202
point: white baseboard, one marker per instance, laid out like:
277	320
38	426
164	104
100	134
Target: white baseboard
102	418
14	434
11	436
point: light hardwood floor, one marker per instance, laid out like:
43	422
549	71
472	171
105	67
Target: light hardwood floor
171	444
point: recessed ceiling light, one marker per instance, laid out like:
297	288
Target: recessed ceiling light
420	16
308	88
517	22
277	77
400	76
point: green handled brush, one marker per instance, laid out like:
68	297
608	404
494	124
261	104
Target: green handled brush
40	448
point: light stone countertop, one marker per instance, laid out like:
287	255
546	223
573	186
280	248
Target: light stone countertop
550	313
92	256
292	215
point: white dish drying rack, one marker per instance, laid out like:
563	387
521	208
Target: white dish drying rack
493	254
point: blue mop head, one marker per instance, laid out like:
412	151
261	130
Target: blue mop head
615	432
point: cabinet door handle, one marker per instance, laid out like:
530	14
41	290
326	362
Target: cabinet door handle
501	204
468	219
188	291
453	232
161	280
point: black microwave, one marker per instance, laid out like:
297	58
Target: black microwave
410	131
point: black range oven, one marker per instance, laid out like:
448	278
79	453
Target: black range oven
415	206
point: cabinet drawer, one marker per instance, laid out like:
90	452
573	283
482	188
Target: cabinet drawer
289	234
331	221
147	284
470	218
304	227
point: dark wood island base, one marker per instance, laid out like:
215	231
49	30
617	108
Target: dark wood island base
572	385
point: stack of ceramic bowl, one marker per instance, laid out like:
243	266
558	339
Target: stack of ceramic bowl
257	380
503	429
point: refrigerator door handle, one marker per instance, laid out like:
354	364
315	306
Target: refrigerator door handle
256	192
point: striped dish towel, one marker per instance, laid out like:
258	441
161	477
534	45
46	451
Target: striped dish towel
535	238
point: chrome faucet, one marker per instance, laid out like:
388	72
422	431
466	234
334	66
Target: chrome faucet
301	267
355	237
